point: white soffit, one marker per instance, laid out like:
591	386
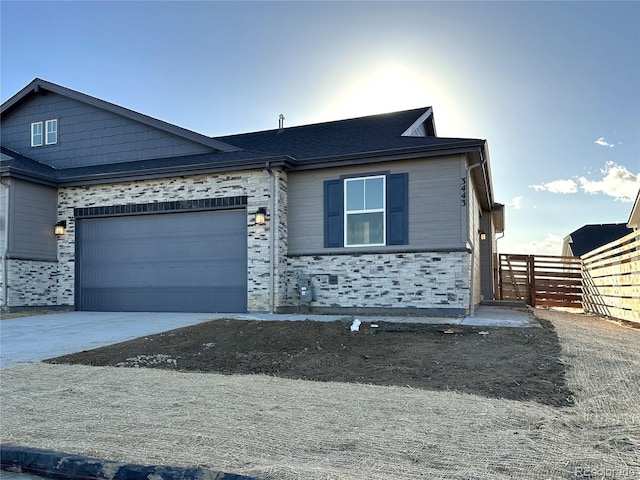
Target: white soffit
416	129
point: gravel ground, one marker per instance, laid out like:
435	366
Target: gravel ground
295	429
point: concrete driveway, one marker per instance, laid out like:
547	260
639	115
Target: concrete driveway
30	339
35	338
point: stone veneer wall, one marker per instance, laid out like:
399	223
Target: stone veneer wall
281	265
31	283
254	184
427	282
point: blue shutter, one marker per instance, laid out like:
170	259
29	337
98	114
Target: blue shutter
398	209
333	214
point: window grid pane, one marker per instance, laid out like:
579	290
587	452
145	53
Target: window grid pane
374	192
365	229
355	195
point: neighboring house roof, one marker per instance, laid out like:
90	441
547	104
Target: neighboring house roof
41	87
590	237
634	217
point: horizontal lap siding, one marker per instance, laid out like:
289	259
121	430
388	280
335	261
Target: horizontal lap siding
434	203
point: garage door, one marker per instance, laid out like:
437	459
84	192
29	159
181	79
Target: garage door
178	262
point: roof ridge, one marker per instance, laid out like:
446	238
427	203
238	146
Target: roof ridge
328	122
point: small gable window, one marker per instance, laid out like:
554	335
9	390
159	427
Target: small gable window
44	133
52	132
36	134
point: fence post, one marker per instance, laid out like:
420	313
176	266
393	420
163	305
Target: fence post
531	278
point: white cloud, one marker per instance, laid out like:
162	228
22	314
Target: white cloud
550	245
515	202
557	186
603	143
616	181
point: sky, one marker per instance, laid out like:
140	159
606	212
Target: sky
554	87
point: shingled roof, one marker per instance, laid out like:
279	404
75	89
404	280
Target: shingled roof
399	135
590	237
343	138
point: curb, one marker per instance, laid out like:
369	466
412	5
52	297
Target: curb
65	466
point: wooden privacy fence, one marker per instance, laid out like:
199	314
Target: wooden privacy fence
540	280
611	278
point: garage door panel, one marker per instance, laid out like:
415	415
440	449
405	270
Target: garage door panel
141	299
194	261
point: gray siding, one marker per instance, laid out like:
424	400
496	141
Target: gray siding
88	135
32	215
435	214
487	253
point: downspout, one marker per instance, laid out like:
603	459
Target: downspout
469	240
5	252
272	242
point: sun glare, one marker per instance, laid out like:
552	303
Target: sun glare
392	86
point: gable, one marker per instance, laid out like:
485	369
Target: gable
88	135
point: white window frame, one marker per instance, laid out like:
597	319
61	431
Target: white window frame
382	210
33	134
46	131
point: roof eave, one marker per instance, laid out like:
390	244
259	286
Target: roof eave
195	169
11	172
379	156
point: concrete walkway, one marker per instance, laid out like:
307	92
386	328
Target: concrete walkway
34	338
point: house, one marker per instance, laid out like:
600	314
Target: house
371	214
634	217
590	237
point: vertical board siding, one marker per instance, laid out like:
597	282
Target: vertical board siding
434	203
88	135
611	279
32	217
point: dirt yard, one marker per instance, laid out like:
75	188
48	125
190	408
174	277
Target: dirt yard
483	413
518	364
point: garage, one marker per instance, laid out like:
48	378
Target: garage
171	262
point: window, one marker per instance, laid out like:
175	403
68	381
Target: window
36	134
366	211
52	132
44	136
364	219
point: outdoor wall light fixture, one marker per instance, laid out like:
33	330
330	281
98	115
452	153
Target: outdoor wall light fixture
483	235
60	228
261	216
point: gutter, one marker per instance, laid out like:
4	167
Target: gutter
5	252
469	240
272	227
